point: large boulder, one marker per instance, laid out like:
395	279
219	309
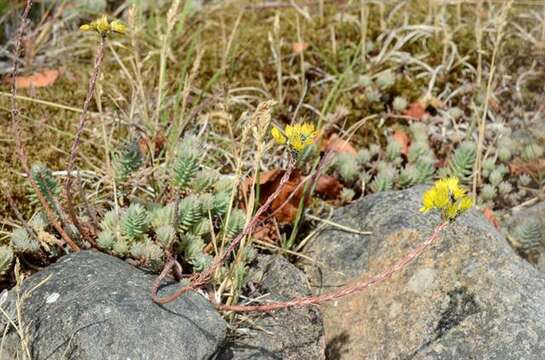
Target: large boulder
295	334
468	297
92	306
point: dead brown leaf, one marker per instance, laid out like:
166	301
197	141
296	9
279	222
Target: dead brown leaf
299	47
518	167
336	144
264	178
403	139
329	187
286	204
266	233
416	110
145	144
39	79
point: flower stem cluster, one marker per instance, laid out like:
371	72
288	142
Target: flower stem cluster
447	196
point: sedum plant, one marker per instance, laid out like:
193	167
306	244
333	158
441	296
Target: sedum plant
462	162
390	169
183	227
532	152
47	184
186	164
128	160
146	231
529	234
384	168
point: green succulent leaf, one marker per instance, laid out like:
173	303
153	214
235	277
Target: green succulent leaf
128	160
134	222
23	243
189	213
186	163
462	162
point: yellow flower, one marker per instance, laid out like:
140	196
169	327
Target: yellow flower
427	200
118	27
85	27
466	203
298	137
447	196
104	27
277	136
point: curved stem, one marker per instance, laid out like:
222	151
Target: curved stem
345	291
201	279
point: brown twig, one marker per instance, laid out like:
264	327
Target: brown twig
345	291
19	146
99	56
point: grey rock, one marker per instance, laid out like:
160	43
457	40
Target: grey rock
95	306
295	334
469	296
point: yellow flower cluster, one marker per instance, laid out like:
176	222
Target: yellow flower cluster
297	137
104	27
447	196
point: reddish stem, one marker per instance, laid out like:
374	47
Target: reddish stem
19	146
99	56
345	291
201	279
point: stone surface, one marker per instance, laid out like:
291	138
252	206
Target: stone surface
468	297
95	306
295	334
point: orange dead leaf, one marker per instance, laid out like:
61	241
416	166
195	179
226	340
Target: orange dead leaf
336	144
403	139
271	175
145	144
266	233
264	178
299	47
40	79
329	187
489	215
518	167
416	110
285	206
